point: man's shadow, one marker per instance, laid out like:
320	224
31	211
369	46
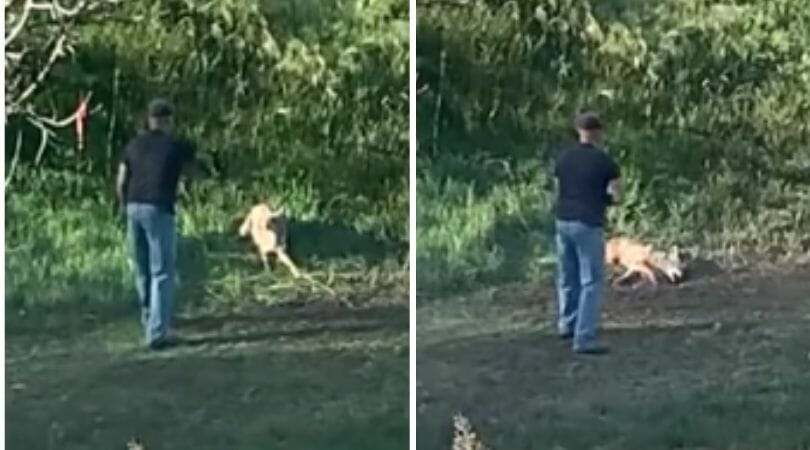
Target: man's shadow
300	321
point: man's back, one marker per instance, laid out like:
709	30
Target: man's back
155	161
583	173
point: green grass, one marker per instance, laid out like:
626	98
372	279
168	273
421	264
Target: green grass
68	257
271	362
473	231
720	363
314	101
490	221
499	82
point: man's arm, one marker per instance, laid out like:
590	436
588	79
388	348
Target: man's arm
614	188
191	168
553	180
121	181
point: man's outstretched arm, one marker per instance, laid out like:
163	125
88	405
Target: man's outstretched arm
121	181
615	190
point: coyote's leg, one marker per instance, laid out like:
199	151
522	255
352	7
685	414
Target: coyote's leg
648	274
265	261
627	274
283	258
244	229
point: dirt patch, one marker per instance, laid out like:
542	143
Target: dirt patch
717	362
766	290
763	291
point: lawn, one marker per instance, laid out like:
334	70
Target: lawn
270	362
720	362
302	376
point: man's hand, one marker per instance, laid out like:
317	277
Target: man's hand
121	183
614	190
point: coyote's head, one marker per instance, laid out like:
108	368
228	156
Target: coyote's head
671	263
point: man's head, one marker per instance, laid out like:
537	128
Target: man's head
161	115
589	127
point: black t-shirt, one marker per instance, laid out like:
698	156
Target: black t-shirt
154	161
583	172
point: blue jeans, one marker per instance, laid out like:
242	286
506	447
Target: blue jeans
153	240
580	252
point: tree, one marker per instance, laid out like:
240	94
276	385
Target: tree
39	36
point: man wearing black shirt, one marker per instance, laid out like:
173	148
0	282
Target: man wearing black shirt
587	182
147	183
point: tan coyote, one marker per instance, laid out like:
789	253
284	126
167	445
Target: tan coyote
268	230
638	258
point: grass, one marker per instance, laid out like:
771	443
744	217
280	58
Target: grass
473	231
498	83
720	363
66	256
489	221
270	362
300	377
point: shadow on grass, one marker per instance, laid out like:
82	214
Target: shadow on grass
283	322
302	322
520	242
84	304
316	312
523	244
322	241
89	302
310	243
686	385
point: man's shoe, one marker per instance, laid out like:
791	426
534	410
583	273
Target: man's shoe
172	336
565	335
170	340
595	349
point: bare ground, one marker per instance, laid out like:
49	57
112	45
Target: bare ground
720	362
305	376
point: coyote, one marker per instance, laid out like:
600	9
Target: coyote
639	258
268	229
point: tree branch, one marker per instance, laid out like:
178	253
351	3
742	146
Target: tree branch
57	51
19	24
57	10
22	39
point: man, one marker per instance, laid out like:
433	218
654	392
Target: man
148	178
587	182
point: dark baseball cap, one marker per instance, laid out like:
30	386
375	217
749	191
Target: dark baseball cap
587	121
160	108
